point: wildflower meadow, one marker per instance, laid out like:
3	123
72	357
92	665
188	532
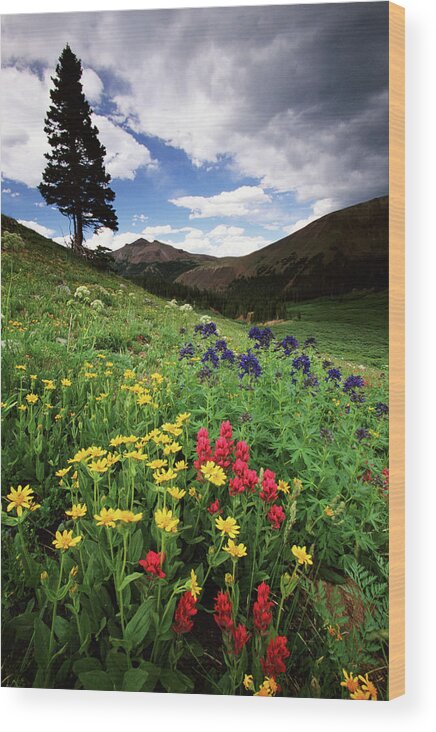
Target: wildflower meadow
190	504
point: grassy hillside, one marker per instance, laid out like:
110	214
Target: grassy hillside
178	491
353	328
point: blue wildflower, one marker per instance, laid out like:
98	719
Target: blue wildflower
228	355
361	434
289	344
381	408
353	382
211	356
206	329
333	375
221	345
249	365
263	336
302	363
310	342
310	380
187	351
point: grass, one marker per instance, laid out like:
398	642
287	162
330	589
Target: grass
352	328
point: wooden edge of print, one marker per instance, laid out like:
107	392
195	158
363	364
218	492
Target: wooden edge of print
396	354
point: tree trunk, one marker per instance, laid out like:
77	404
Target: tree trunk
78	233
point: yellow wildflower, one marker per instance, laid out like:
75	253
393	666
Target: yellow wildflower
128	517
181	465
21	367
235	550
136	455
129	374
49	384
268	687
213	473
173	429
20	498
66	382
62	472
164	476
360	694
100	397
248	682
158	378
90	375
65	540
117	441
81	455
193	492
283	486
22	408
301	555
369	687
96	452
227	526
177	493
108	372
182	417
329	511
106	517
193	585
350	682
77	511
165	520
33	377
32	398
172	448
144	399
99	466
156	464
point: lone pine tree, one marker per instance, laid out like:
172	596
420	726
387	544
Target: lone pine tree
75	179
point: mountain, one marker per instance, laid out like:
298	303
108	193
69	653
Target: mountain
342	251
156	258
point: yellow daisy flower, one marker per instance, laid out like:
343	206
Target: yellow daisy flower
235	550
227	526
20	498
77	511
166	521
301	555
65	540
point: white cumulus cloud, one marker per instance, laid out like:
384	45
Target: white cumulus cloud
39	228
243	201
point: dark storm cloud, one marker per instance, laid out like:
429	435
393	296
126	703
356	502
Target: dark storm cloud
295	96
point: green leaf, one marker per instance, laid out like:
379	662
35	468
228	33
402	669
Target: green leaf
135	547
134	679
130	578
62	629
42	643
175	682
137	627
83	665
96	680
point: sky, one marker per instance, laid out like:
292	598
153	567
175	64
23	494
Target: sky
225	128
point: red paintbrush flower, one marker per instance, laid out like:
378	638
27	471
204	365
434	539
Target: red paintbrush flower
184	610
262	615
153	563
223	611
269	487
276	516
214	507
204	450
242	451
240	638
274	662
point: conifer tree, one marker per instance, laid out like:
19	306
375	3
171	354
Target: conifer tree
75	179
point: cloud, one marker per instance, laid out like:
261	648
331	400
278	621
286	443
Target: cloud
92	86
242	201
220	241
24	105
39	228
319	208
139	218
